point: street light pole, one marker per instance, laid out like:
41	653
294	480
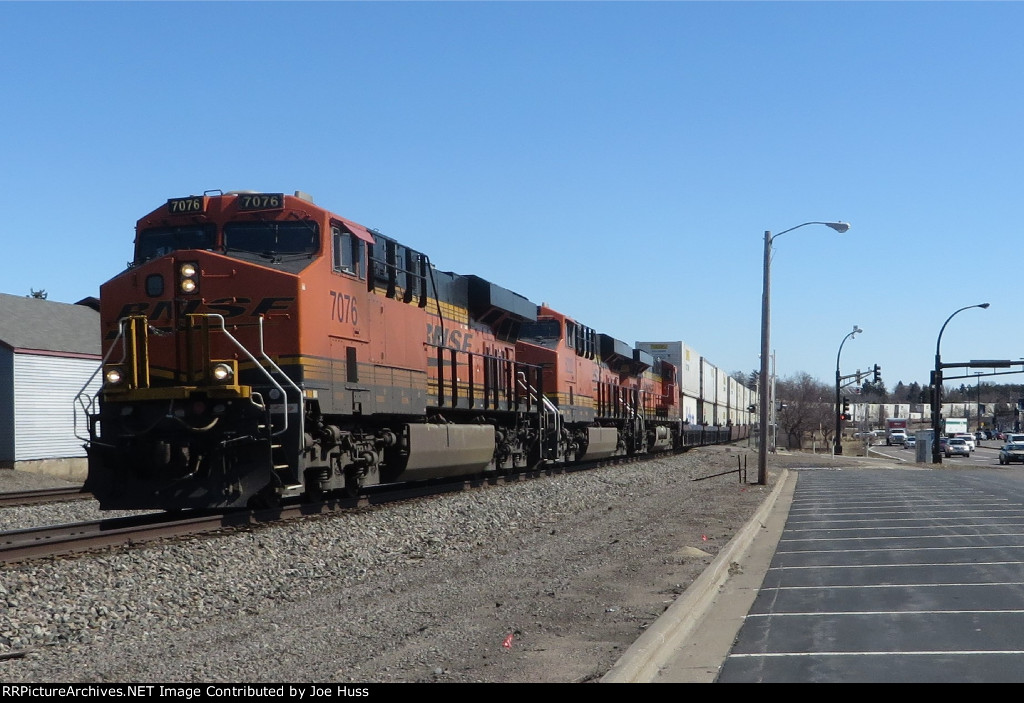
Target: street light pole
839	426
937	386
977	400
762	381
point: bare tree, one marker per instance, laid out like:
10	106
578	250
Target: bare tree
809	407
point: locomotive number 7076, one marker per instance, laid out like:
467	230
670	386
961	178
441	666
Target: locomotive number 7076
343	309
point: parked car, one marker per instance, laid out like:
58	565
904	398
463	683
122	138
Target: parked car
957	446
910	441
1011	453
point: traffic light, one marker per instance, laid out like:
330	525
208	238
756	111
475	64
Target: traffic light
846	409
878	374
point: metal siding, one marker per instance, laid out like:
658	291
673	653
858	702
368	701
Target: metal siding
672	352
723	387
44	401
708	382
6	405
690	371
683	357
689	409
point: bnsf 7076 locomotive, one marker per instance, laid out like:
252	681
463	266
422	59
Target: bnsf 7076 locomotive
259	347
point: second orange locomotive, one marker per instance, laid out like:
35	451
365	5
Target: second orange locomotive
260	347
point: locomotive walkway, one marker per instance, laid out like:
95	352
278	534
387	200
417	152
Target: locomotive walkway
894	574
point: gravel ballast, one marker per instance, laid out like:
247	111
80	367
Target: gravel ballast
545	580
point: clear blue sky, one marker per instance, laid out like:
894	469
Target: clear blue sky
617	160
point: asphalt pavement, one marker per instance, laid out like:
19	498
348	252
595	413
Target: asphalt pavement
901	573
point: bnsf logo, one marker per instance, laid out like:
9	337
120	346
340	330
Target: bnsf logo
454	339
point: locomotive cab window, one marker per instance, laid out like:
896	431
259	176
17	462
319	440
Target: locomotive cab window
272	238
570	334
348	252
160	241
543	333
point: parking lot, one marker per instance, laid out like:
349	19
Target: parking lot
912	574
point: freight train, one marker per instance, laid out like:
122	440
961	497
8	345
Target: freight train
260	347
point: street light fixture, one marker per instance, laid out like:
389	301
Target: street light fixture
762	381
838	446
937	386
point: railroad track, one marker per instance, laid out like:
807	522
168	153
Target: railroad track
43	495
58	540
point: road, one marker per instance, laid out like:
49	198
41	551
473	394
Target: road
985	454
909	573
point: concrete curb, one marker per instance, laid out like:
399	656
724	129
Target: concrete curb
661	641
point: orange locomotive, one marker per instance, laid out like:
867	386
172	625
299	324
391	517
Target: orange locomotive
261	347
612	399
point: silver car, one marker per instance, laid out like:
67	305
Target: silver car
957	446
1010	453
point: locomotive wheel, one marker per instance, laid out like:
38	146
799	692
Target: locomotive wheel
313	495
315	479
353	484
266	499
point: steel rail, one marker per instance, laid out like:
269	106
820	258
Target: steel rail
42	495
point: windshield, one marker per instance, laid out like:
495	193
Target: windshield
272	237
160	241
545	333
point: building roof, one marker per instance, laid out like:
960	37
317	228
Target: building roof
36	324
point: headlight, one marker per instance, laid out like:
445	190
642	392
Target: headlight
114	376
222	373
188	277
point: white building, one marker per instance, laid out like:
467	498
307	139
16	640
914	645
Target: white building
48	351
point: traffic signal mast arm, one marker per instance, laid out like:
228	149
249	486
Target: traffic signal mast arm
982	364
853	378
858	377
